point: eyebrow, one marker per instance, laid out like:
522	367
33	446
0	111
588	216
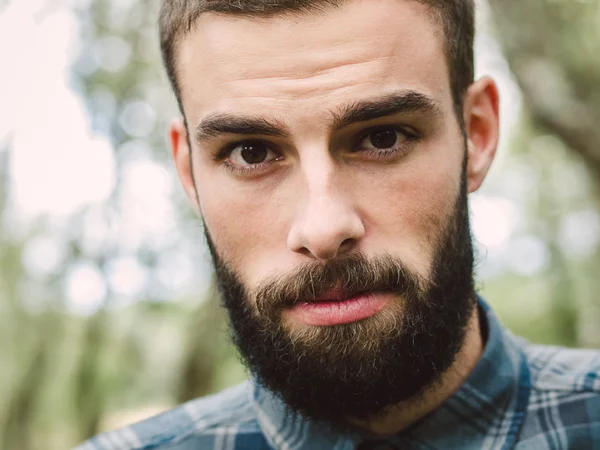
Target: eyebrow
222	123
403	102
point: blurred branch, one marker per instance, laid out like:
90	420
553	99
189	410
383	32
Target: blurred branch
553	53
575	136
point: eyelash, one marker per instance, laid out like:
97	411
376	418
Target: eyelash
247	169
412	137
223	155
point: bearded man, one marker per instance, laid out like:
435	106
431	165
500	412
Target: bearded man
329	147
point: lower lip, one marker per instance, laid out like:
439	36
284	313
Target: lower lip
329	313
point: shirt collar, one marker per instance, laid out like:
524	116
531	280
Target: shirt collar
486	412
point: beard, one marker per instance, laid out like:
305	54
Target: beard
359	370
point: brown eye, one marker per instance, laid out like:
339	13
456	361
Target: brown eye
383	139
386	142
252	153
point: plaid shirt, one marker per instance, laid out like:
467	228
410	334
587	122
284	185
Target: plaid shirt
519	396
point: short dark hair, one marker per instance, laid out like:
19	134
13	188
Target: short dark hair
177	18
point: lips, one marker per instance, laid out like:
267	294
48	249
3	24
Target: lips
334	308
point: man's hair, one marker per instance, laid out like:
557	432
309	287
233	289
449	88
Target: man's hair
177	18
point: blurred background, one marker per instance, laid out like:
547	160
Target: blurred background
107	311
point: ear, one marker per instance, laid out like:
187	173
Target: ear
481	122
182	156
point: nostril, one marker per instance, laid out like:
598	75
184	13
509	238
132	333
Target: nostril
304	251
346	245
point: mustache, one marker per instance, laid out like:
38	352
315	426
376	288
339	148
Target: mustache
346	276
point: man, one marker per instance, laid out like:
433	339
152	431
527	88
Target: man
329	147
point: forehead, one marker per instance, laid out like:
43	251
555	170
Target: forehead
360	49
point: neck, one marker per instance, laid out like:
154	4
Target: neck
411	411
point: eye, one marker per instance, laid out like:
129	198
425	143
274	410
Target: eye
383	139
251	153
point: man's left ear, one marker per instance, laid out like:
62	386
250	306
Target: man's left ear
481	117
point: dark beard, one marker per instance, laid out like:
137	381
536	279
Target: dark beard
357	370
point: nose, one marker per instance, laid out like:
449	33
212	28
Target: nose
326	224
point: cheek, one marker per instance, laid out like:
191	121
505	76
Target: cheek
247	225
412	209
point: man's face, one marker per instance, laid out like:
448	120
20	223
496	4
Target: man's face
321	191
325	147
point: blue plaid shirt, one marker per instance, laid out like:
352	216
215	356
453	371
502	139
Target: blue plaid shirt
519	396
